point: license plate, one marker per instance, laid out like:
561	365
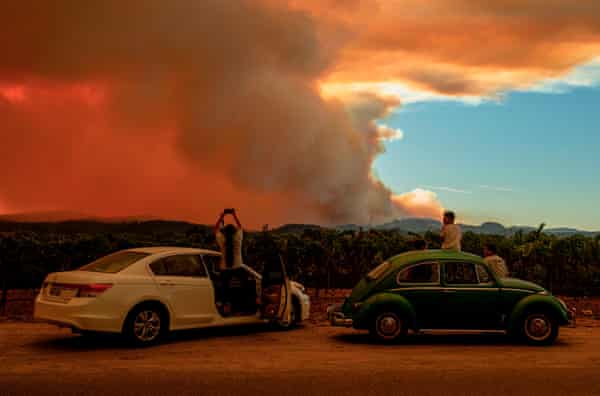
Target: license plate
63	292
68	293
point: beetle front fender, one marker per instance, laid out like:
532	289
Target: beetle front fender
361	318
536	301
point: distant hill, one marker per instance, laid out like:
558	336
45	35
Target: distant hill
64	216
70	222
94	226
295	228
422	225
416	225
39	217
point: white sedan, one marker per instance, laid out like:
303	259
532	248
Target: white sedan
143	293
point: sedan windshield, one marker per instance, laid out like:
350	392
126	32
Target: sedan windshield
114	263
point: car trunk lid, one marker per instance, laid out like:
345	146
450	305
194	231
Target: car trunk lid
64	286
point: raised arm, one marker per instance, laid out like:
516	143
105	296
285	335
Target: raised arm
237	221
218	224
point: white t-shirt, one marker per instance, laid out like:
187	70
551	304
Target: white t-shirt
452	236
238	236
497	265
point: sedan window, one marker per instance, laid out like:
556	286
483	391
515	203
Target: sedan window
211	262
180	265
159	268
114	263
420	273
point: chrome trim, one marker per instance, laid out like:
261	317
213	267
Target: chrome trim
463	331
494	289
518	290
432	288
441	288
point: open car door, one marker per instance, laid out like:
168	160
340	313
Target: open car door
276	293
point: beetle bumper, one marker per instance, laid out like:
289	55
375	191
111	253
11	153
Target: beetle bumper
336	317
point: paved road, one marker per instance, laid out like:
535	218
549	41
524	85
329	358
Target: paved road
40	359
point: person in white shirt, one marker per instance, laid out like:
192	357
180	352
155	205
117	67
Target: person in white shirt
229	237
493	261
451	233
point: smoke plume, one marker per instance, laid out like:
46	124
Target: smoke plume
179	109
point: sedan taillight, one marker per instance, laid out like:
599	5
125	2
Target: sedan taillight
93	290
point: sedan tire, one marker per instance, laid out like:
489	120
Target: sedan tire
146	325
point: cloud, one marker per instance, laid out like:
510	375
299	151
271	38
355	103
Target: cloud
586	75
448	189
496	188
462	49
387	133
420	203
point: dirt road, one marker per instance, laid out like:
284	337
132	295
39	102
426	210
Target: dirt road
41	359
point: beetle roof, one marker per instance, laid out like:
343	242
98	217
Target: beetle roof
415	256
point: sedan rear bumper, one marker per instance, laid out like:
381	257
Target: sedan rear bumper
75	315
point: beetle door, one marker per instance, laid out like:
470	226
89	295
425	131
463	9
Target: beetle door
420	285
471	297
276	293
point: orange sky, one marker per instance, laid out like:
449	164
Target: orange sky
178	110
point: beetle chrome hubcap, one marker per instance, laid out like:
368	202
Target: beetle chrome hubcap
146	326
537	327
388	325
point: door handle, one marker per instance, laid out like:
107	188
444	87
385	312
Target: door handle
448	291
166	283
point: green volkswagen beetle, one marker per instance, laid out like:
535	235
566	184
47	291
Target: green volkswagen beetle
440	289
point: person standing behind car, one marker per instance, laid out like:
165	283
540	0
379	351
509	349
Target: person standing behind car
493	261
451	233
229	237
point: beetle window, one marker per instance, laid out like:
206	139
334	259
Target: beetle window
461	273
420	273
483	274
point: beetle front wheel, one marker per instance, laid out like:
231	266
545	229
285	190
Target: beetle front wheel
539	328
388	326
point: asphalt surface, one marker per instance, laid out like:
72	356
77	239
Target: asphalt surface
315	359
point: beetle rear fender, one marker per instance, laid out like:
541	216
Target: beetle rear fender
401	305
532	303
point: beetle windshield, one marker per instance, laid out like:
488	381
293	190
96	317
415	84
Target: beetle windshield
378	271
